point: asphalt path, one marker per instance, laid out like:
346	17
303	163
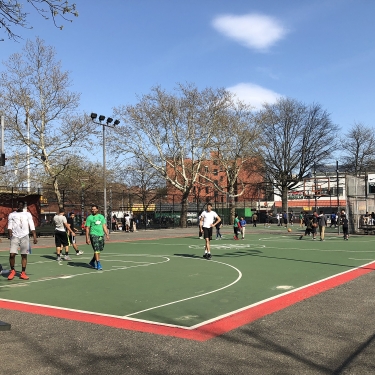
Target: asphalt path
331	333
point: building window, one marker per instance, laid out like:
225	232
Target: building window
371	189
206	168
206	190
215	172
216	162
334	191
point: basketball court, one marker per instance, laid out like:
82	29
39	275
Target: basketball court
165	286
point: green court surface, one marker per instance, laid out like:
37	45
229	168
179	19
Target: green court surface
167	281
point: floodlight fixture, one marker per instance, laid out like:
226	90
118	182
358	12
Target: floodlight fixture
108	123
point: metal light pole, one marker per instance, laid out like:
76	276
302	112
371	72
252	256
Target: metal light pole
28	148
108	122
2	152
338	196
82	180
315	187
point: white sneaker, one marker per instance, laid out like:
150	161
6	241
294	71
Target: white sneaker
67	257
79	252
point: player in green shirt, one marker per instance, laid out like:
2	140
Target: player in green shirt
96	227
236	226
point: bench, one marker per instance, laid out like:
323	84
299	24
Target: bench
367	229
45	230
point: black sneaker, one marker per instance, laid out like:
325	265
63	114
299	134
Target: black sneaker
205	255
208	257
300	237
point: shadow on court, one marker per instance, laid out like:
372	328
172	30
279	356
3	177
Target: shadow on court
79	264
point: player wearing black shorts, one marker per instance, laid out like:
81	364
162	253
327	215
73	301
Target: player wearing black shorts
61	235
72	239
208	220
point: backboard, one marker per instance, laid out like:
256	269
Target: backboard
317	186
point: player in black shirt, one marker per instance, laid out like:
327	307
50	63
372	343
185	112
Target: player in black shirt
72	239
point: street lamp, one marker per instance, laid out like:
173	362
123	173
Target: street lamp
108	124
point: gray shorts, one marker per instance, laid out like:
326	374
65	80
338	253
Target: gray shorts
22	243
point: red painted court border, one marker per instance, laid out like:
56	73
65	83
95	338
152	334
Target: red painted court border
206	331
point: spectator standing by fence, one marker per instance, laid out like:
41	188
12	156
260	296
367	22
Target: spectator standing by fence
218	227
243	225
254	219
322	221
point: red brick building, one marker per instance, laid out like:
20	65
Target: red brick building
249	183
9	202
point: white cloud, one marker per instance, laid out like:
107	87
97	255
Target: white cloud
253	94
255	31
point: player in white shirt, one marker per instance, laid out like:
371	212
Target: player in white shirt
208	220
20	223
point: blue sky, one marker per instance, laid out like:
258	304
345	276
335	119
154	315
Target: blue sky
313	51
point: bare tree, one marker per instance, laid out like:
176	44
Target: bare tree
145	184
358	147
13	14
172	133
40	112
235	146
296	136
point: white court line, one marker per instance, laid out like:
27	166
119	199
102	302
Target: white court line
200	295
93	313
359	259
179	326
321	250
94	272
328	238
129	316
240	246
273	298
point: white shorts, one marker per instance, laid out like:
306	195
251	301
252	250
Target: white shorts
22	243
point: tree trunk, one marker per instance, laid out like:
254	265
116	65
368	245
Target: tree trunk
284	198
232	205
58	194
184	210
232	209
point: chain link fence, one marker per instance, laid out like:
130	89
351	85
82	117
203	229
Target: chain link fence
359	201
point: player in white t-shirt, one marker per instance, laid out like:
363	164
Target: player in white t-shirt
208	220
20	223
